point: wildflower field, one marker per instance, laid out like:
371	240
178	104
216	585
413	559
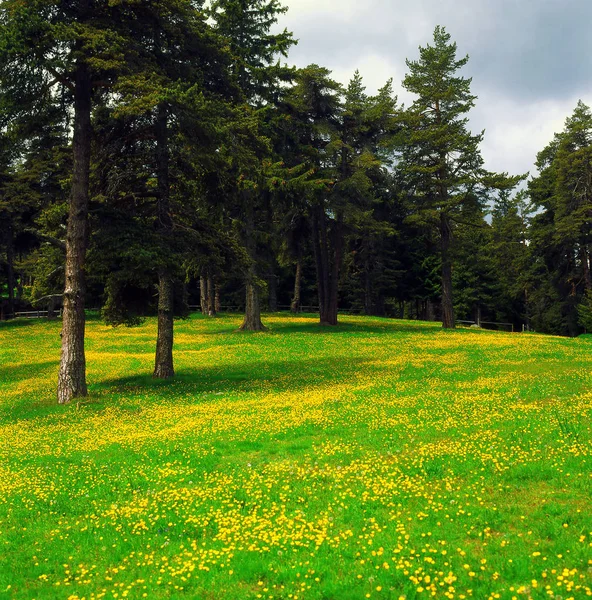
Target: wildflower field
380	459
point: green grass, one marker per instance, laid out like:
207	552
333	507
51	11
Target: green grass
379	459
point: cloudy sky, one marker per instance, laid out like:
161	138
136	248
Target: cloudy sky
530	60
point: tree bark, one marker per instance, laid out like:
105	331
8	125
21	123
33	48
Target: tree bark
217	307
447	306
10	268
586	268
295	304
163	367
72	371
211	299
252	320
203	294
338	242
327	271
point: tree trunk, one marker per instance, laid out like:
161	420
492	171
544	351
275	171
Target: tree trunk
325	282
72	372
211	300
295	304
368	309
10	268
272	293
252	320
203	294
586	268
331	316
447	305
163	364
217	307
163	367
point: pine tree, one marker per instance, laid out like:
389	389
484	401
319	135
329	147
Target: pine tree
439	154
77	48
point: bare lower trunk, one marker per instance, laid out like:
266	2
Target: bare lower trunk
163	363
72	372
10	268
367	287
211	299
586	268
447	305
326	271
163	367
295	304
217	307
272	293
203	294
252	320
330	317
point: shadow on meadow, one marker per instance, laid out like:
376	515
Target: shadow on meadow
302	324
261	376
20	323
24	371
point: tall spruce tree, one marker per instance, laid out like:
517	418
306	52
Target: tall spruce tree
257	52
439	154
78	48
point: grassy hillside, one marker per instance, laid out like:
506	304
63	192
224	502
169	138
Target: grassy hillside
381	459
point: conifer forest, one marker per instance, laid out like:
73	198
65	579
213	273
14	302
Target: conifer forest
169	183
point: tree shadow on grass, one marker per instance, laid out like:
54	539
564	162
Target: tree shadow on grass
20	323
343	327
264	376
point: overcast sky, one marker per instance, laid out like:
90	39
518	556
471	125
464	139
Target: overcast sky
530	60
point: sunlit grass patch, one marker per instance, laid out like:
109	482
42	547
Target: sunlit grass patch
380	459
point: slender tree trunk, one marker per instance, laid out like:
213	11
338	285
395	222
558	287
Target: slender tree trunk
10	268
367	286
272	293
295	304
72	371
338	242
211	300
203	294
586	268
447	305
163	364
252	320
327	300
217	307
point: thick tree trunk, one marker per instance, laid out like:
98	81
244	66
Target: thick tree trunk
295	304
252	320
447	305
211	299
203	294
10	268
72	372
163	365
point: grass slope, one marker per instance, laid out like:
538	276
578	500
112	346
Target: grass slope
380	459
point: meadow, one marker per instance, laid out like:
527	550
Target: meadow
380	459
